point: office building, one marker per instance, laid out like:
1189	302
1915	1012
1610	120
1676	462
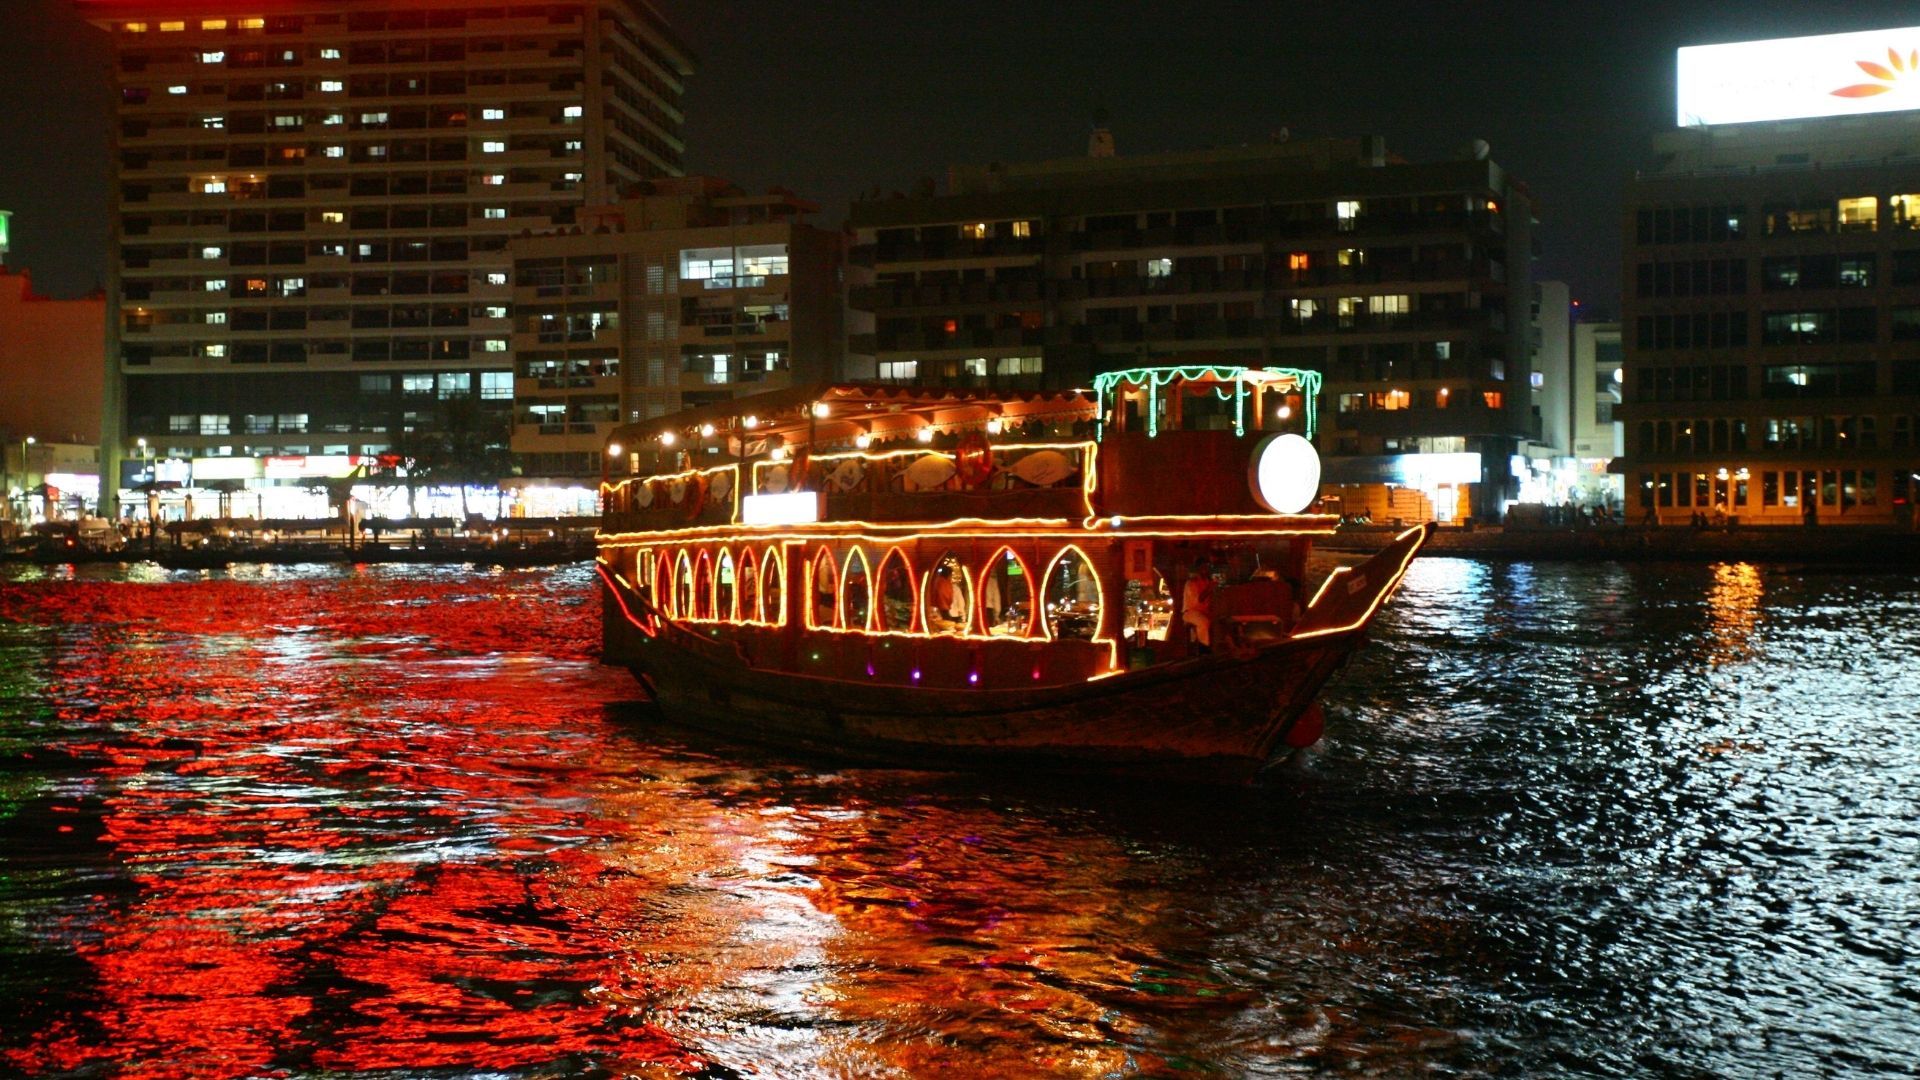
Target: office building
312	206
687	292
50	373
1771	318
1596	394
1406	285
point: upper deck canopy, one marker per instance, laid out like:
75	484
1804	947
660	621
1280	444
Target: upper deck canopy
840	414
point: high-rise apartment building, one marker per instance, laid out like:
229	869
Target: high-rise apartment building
1406	285
1771	316
687	292
313	201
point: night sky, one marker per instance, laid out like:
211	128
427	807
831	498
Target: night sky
833	98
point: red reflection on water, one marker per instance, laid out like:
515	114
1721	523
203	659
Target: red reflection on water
339	803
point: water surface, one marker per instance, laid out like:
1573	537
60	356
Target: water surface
1568	820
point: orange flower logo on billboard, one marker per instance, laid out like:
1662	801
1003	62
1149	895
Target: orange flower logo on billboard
1888	75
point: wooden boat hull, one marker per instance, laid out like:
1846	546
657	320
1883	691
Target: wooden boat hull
1217	718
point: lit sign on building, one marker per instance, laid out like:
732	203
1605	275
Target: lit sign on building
1785	78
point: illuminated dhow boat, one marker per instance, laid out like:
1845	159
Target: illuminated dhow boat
1104	580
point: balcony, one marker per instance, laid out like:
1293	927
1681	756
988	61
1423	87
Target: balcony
1476	419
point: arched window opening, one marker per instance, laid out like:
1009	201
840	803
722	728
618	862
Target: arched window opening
949	599
1071	602
660	583
683	587
773	606
749	587
898	593
1006	596
855	599
723	587
825	607
703	587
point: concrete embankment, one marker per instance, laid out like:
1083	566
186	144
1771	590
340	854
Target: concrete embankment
1894	549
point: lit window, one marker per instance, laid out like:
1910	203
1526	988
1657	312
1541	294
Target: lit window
218	284
494	213
496	311
1159	267
496	277
455	384
1298	260
253	24
334	119
215	351
1304	310
494	345
329	54
213	24
373	118
1022	228
975	231
1859	215
214	187
331	86
135	28
493	114
213	123
376	151
211	251
1904	210
493	146
216	318
1352	257
293	286
899	370
334	152
172	27
256	285
573	177
1538	379
176	89
1346	212
214	57
573	112
1494	398
494	179
1443	350
333	217
289	121
496	386
1388	305
574	146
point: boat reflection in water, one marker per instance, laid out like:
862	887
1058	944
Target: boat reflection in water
399	822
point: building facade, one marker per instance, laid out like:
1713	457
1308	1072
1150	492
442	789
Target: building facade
1407	286
688	292
1771	323
51	364
1596	393
312	206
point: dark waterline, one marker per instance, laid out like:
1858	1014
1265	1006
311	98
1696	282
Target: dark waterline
1568	820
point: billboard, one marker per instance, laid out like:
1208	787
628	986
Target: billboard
1871	71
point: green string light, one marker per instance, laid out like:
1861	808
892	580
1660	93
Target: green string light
1108	383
